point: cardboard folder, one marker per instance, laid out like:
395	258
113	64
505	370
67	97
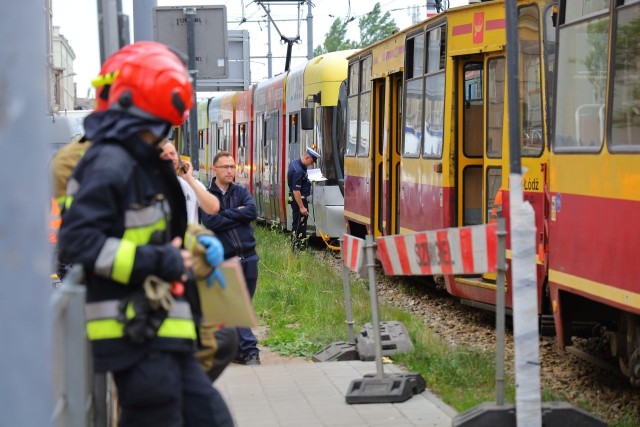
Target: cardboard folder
229	306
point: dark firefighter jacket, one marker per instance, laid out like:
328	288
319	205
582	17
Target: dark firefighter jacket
232	224
124	205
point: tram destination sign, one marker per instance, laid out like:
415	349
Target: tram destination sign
170	26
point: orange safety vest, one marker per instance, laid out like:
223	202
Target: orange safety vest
496	210
55	220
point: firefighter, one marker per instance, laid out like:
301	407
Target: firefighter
124	222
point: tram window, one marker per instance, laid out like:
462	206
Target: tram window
494	183
433	115
227	135
364	111
437	50
413	118
625	116
581	86
473	109
220	139
576	9
495	106
353	79
294	134
352	127
530	81
472	195
415	56
242	135
549	58
364	122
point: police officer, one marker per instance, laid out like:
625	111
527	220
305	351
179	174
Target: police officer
124	223
299	191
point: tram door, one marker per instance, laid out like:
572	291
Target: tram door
386	135
481	126
470	122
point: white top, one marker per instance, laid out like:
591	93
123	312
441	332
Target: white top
191	200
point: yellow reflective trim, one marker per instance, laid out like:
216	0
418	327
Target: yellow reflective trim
177	328
61	201
123	262
104	329
171	328
142	235
103	80
67	202
130	312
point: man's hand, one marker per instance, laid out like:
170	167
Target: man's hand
187	257
186	171
304	211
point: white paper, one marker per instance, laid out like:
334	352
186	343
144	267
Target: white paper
315	175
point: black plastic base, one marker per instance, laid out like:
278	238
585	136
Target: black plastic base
392	388
336	351
554	414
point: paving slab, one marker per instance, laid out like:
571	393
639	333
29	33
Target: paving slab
301	393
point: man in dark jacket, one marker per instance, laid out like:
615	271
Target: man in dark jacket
124	221
232	225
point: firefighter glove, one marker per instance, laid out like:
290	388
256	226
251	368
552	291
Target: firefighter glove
214	255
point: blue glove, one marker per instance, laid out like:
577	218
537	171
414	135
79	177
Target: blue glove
215	256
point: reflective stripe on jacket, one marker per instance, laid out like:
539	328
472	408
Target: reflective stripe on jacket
103	323
55	220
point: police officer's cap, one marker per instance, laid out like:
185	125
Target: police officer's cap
313	153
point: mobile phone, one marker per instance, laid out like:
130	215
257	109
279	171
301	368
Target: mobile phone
182	167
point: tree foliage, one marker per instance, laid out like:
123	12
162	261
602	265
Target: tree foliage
374	26
335	39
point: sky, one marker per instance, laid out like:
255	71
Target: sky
77	20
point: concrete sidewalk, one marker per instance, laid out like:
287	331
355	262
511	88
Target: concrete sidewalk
313	394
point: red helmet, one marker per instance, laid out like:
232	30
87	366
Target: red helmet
153	85
112	65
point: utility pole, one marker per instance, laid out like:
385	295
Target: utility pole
309	31
25	324
143	19
190	13
269	56
108	28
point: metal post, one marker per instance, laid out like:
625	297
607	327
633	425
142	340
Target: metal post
371	268
309	30
191	12
347	297
108	28
523	261
269	55
500	311
25	329
143	19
